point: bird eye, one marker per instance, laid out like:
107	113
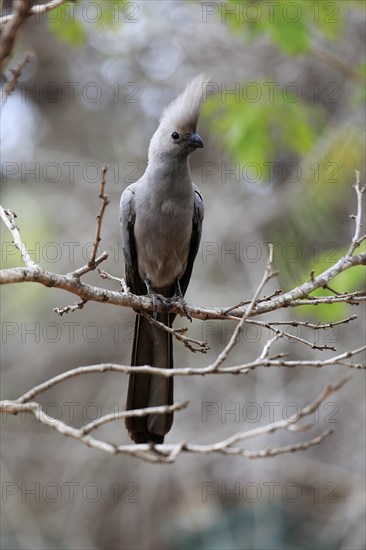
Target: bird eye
175	135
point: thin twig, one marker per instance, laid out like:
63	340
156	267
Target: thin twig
113	417
12	84
105	202
267	347
189	343
37	9
8	218
261	361
167	453
68	309
356	240
86	268
307	324
94	261
245	302
283	334
267	275
351	298
104	275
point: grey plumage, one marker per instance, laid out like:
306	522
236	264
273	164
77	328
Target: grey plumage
161	221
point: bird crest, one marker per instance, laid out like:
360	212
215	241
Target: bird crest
184	110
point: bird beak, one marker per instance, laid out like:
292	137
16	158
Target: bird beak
195	141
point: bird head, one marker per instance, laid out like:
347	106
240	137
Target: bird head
177	135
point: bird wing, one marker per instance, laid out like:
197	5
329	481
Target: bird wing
198	212
127	222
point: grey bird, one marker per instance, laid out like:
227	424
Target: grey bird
161	222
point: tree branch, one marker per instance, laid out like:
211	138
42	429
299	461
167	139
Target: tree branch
11	29
8	218
241	313
37	9
357	239
167	453
71	282
268	274
10	86
261	361
293	298
191	343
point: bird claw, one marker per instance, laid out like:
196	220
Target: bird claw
183	305
154	297
167	301
178	297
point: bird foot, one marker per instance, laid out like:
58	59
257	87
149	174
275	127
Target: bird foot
154	297
178	297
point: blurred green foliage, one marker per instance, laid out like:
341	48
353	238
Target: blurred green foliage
69	20
277	123
66	27
258	129
288	24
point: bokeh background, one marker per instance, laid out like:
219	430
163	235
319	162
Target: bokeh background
283	126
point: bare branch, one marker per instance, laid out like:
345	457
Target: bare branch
295	297
86	268
357	239
283	333
274	362
37	9
68	309
307	324
261	361
267	347
8	218
11	29
267	275
73	284
105	202
167	453
242	313
11	84
190	343
94	261
106	419
351	298
120	280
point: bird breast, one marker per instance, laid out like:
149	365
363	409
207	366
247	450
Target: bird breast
163	235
